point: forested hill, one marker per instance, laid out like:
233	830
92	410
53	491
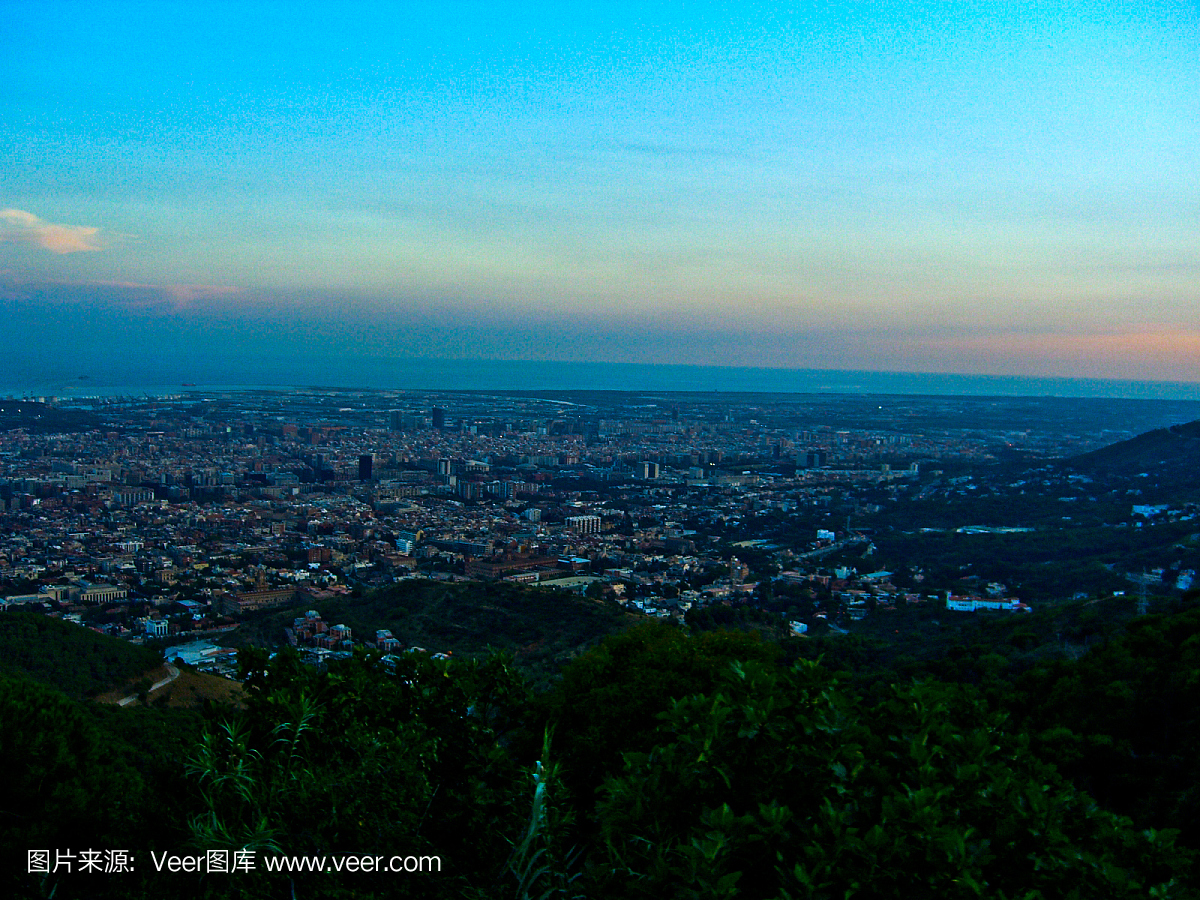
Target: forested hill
77	661
542	627
1170	455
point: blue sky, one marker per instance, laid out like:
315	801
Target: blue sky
1006	187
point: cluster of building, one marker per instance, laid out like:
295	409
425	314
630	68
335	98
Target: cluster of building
164	516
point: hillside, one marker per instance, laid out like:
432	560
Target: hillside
1168	456
186	690
541	627
78	661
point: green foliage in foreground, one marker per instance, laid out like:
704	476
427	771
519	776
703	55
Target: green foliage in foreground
1123	722
608	701
777	785
771	782
366	758
73	783
664	766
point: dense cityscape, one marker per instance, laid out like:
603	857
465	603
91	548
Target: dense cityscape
178	516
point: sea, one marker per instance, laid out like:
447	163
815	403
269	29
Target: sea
109	377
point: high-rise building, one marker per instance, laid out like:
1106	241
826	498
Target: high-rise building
366	466
439	418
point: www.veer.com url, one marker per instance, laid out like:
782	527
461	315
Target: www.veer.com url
352	863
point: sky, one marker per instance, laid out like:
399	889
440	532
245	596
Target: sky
1004	188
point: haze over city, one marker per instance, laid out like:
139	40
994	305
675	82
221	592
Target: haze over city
981	188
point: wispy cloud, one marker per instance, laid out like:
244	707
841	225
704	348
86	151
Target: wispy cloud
20	227
177	297
120	295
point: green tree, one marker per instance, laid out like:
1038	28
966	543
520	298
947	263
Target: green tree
372	756
778	785
66	785
609	699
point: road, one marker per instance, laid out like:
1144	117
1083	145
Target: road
172	674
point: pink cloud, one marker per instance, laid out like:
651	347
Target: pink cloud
168	298
1152	353
185	295
20	227
173	297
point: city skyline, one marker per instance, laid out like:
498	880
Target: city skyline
1005	189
